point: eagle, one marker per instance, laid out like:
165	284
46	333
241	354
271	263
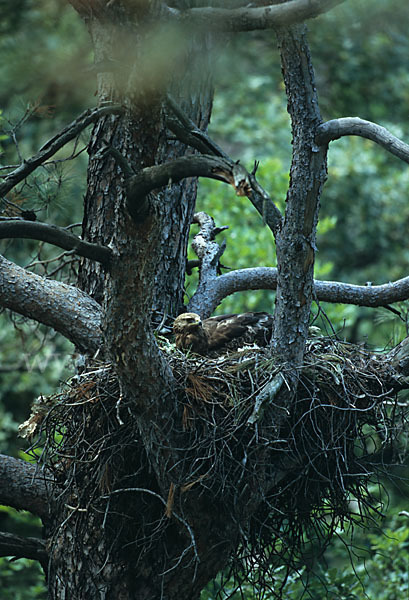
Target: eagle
222	332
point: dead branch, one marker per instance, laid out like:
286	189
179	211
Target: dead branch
21	547
58	236
23	486
337	128
65	308
248	18
213	289
77	316
54	144
207	250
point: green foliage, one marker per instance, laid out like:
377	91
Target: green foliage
375	566
45	51
22	579
359	52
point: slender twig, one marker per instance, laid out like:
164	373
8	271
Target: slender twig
189	133
54	144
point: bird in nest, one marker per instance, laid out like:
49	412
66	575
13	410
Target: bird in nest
222	332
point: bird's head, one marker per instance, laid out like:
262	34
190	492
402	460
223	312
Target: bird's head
186	322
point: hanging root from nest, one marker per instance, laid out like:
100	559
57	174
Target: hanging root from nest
284	475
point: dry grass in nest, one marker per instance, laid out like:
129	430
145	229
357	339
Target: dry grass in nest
286	473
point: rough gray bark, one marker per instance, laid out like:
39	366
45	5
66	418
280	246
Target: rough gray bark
216	287
337	128
296	241
106	196
63	307
251	18
23	486
147	270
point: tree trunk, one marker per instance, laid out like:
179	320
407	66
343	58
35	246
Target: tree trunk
98	536
296	240
142	138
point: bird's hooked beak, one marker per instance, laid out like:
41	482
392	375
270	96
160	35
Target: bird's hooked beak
193	322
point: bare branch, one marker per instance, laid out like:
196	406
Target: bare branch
249	19
54	235
213	167
23	486
173	171
337	128
212	290
54	144
363	295
207	250
209	295
20	547
65	308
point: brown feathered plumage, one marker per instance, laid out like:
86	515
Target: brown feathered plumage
224	331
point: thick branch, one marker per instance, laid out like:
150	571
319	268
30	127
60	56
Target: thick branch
23	486
212	291
249	19
54	235
173	171
20	547
213	167
65	308
53	145
363	295
333	130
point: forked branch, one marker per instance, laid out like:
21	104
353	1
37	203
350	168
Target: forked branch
213	167
213	287
188	133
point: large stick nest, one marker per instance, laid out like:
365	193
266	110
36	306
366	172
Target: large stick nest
286	470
